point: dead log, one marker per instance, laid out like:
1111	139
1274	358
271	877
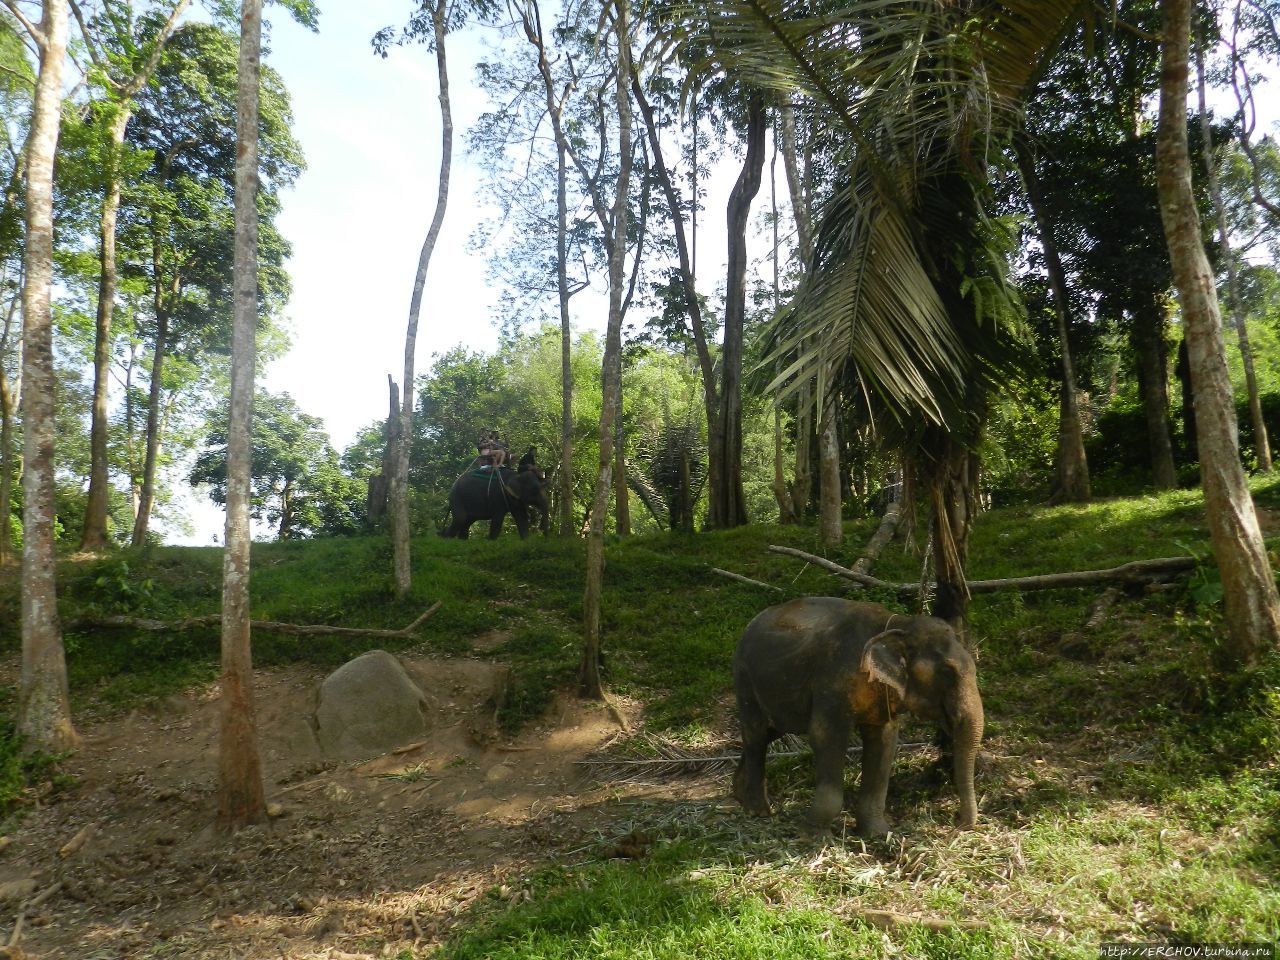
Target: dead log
741	579
1135	573
212	619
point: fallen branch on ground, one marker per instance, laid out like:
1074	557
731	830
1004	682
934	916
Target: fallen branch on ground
1097	612
296	629
888	919
674	760
741	579
1135	573
884	533
30	905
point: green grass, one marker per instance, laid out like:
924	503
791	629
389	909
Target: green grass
1133	790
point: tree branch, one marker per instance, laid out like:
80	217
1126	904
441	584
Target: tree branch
36	33
212	619
1136	573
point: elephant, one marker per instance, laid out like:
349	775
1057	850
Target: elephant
822	665
490	494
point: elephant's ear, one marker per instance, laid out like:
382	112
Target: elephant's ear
511	492
884	662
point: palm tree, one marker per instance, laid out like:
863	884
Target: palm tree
905	294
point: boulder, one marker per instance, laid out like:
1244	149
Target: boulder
368	707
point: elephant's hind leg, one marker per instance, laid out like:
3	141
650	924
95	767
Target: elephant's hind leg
748	779
495	527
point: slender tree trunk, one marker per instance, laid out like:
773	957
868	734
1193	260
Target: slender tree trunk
1235	304
621	500
566	337
781	490
44	709
728	507
830	521
802	486
240	794
531	18
286	511
400	479
135	488
611	372
1151	355
1248	582
94	535
146	499
710	397
1071	466
1182	373
8	413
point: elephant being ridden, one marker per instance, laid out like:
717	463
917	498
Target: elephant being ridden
821	666
490	494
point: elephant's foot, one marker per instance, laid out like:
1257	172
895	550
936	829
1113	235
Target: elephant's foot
827	804
872	827
753	797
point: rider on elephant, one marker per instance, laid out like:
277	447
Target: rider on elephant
493	450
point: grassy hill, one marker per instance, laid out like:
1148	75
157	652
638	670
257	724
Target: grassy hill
1130	792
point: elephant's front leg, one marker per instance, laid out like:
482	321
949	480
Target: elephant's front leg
521	517
829	737
495	525
879	746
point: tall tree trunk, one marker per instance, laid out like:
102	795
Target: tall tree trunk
830	522
728	506
94	535
146	498
953	489
1248	583
611	370
135	487
286	511
710	397
1071	481
8	413
781	491
1151	356
44	709
566	336
1235	304
1182	373
376	499
802	485
621	500
531	18
400	478
240	794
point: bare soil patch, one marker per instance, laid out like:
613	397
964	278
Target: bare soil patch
358	859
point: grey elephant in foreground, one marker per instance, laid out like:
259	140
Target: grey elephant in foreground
821	666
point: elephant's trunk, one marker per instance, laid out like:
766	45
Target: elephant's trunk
966	736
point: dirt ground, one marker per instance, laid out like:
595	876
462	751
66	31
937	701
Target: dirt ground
359	859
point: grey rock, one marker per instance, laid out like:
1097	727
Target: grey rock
368	707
